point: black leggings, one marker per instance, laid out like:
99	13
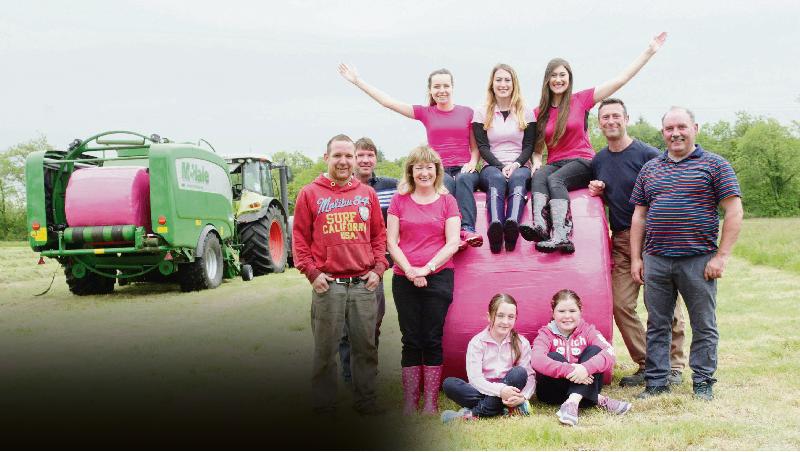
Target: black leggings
558	178
556	390
421	312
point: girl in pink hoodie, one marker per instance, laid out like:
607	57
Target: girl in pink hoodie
570	357
498	368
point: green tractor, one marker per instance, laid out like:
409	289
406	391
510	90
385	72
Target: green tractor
262	219
120	207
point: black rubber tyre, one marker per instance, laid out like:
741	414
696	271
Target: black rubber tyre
206	270
90	284
247	272
265	244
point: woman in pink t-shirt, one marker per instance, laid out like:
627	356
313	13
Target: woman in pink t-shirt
422	230
448	127
562	127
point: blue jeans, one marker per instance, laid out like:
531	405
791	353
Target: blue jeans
664	278
555	391
344	345
462	186
492	177
482	405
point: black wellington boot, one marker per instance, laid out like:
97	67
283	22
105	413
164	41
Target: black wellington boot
494	204
514	205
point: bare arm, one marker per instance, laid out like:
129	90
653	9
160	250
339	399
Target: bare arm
734	213
474	154
638	222
351	75
610	87
452	229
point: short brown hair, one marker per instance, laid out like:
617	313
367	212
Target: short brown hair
340	137
367	145
610	101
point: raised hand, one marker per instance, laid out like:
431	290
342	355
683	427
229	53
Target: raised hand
348	72
658	41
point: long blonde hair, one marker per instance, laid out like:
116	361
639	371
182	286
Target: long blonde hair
544	106
517	103
422	155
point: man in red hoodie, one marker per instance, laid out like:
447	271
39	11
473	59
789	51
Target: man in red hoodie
339	244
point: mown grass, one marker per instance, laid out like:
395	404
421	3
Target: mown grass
771	241
147	356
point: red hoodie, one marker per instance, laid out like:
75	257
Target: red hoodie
338	230
549	339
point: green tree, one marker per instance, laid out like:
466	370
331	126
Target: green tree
646	133
12	186
768	165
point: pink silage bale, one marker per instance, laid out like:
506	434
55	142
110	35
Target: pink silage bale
108	196
531	278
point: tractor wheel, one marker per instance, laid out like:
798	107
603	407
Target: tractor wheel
90	284
206	270
265	244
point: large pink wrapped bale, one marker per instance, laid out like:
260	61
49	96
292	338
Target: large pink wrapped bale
531	278
108	196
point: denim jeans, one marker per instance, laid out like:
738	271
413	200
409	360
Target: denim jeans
482	405
421	312
556	179
555	391
352	305
664	279
492	177
462	186
344	345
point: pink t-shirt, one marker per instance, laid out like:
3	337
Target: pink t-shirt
422	228
575	141
448	132
505	138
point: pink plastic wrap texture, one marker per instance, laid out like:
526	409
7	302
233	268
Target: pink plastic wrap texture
108	196
531	278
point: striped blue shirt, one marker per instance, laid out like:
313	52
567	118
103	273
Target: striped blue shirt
682	199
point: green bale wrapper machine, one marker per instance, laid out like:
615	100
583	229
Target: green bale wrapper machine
121	206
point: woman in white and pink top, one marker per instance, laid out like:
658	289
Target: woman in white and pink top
505	131
422	234
498	368
448	127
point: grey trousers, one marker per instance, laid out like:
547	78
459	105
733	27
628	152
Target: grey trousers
664	278
344	345
355	306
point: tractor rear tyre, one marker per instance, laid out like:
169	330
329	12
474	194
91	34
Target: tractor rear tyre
90	284
206	270
265	244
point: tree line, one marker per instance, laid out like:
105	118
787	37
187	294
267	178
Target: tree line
764	153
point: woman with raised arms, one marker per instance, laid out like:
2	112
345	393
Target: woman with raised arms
562	127
448	129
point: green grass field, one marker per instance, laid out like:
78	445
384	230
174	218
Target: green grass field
246	348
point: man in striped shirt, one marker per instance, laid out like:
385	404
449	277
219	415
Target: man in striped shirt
385	187
676	197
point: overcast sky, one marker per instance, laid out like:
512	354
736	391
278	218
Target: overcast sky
261	76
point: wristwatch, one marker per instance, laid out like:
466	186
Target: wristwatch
431	266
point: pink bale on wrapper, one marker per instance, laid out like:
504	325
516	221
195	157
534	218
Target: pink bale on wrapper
108	196
532	278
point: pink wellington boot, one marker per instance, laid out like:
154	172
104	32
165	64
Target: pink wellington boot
432	382
411	383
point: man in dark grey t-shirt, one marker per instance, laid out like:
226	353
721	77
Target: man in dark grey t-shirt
614	171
